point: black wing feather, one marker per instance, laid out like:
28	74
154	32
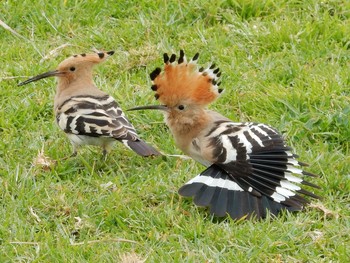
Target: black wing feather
263	176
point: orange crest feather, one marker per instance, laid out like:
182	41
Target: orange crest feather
93	58
181	81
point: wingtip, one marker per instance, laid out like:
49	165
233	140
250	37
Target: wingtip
142	148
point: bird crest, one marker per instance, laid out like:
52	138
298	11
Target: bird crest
93	58
183	81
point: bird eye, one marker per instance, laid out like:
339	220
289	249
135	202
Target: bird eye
72	68
181	107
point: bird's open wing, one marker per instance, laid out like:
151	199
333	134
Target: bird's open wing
253	169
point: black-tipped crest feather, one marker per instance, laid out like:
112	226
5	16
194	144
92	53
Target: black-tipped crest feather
181	58
172	58
166	58
195	57
155	73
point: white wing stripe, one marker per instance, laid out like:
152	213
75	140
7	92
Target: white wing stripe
294	170
231	153
285	192
258	128
215	182
255	137
73	125
288	185
97	101
277	197
243	139
292	178
221	128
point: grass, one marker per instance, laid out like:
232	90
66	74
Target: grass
284	63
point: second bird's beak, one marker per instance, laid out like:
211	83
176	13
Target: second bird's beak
41	76
151	107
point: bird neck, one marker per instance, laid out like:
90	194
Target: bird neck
67	88
80	78
186	127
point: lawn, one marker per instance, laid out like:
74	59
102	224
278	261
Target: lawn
284	63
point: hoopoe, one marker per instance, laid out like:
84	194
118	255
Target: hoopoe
86	114
250	169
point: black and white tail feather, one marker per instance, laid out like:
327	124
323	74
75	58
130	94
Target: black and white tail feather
255	172
99	117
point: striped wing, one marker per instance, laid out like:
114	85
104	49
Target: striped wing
96	117
254	171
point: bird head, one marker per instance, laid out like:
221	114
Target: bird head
73	67
182	88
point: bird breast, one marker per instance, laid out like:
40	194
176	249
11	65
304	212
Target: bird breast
79	140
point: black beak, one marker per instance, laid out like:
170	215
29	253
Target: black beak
151	107
41	76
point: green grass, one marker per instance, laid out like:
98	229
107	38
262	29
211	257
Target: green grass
284	63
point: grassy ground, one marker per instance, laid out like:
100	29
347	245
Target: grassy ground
284	63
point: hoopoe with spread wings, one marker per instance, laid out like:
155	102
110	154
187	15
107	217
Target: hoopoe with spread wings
86	114
250	169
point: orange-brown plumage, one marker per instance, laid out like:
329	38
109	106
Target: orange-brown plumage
182	81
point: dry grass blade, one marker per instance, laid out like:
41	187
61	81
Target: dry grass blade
24	243
327	212
7	27
54	52
103	241
13	77
37	218
4	25
131	258
43	161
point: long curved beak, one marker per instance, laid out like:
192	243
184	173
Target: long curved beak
151	107
41	76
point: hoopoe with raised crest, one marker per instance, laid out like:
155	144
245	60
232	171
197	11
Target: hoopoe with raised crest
250	169
86	114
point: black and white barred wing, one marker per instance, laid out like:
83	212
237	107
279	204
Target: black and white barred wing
254	171
100	117
96	117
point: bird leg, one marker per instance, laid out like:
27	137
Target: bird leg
104	153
